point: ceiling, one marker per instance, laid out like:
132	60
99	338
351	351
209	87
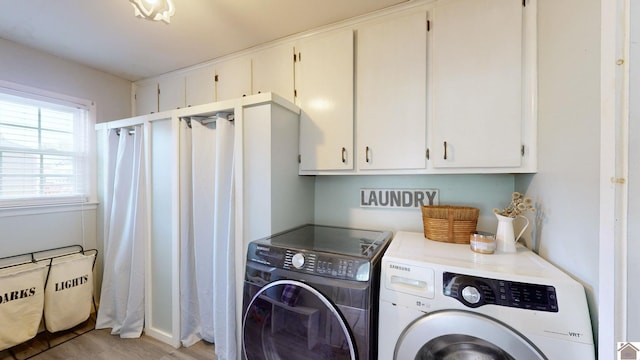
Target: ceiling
105	34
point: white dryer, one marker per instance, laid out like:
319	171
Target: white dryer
444	301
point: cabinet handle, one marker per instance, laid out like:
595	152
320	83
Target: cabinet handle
366	155
445	150
344	155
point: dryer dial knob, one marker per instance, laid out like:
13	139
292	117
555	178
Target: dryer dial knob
297	261
471	295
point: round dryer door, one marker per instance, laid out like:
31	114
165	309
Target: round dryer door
288	319
453	334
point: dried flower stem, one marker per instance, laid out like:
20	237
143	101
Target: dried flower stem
519	204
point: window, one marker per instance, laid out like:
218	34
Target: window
44	149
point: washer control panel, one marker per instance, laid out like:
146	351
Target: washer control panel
474	291
334	266
328	265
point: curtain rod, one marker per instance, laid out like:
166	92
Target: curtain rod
129	131
204	120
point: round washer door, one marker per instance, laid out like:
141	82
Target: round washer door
454	334
288	319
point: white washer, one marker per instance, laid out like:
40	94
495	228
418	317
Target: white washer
443	301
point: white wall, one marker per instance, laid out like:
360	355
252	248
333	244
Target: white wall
25	66
26	233
337	199
566	186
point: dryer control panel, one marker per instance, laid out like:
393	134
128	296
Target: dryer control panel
327	265
474	291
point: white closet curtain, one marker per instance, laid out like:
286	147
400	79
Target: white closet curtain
207	256
224	297
189	316
122	295
197	179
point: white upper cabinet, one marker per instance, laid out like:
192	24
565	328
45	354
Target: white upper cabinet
272	70
200	86
391	93
145	98
233	78
476	92
171	93
324	87
426	87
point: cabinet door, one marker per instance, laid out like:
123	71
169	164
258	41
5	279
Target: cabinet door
391	93
171	93
146	98
200	86
324	87
272	71
233	78
476	86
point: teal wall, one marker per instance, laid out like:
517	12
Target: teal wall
338	199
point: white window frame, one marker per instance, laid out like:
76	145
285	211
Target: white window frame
26	206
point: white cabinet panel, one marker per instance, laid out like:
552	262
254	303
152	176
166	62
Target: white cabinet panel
162	255
200	86
272	71
171	93
476	84
324	86
233	78
146	98
391	93
275	197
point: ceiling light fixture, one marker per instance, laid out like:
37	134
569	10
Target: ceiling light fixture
157	10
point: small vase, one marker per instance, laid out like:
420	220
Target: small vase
505	239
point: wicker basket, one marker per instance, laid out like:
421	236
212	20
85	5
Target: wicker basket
453	224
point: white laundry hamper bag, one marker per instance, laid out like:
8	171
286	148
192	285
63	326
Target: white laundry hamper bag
21	302
69	292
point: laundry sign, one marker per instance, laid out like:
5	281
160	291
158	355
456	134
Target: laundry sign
398	198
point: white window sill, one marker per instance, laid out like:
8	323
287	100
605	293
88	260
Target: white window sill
46	209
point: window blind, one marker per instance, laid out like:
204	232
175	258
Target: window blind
43	151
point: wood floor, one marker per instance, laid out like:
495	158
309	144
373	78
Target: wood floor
100	344
85	343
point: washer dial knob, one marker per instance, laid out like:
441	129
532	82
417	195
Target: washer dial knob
471	294
297	261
